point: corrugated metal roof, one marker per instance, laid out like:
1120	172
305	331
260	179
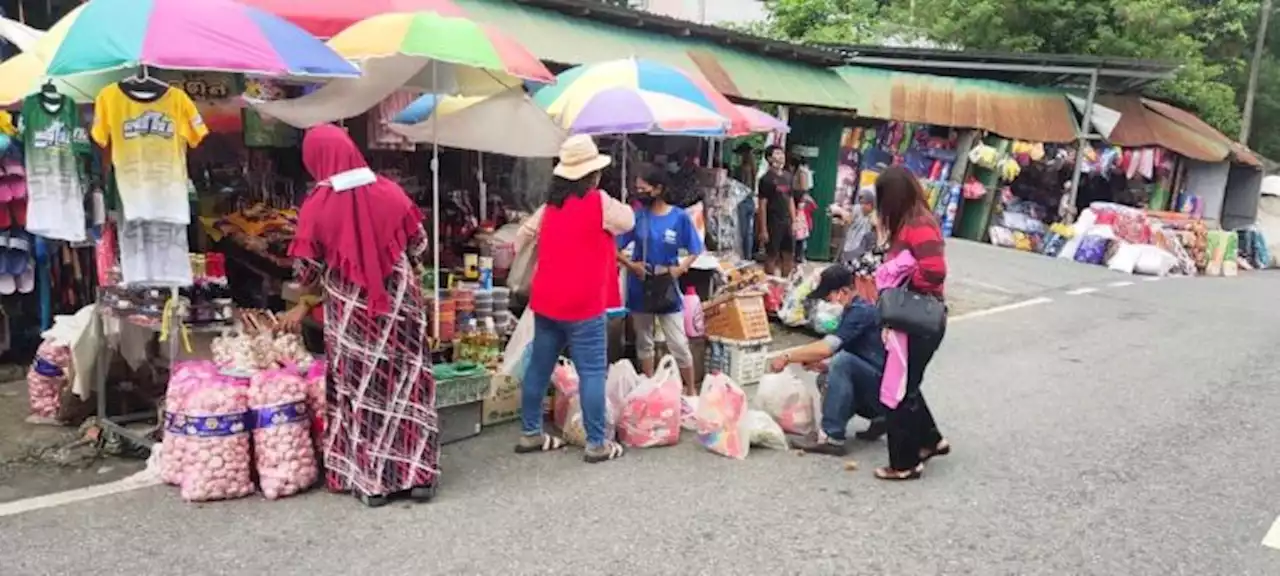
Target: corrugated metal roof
562	38
1009	110
1242	153
1140	126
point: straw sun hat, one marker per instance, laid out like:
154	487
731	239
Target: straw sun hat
580	157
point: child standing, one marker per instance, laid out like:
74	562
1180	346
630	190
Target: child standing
805	207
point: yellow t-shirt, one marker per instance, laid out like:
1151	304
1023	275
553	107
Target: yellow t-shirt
149	142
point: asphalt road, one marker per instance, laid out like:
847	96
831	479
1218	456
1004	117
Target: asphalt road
1127	430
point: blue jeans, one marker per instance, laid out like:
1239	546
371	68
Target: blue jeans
747	226
588	349
853	388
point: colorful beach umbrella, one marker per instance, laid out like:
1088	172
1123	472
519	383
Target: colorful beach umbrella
624	110
212	35
759	121
326	18
647	76
508	123
478	58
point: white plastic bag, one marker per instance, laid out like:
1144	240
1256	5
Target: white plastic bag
622	379
1154	261
515	358
688	408
826	317
764	432
651	414
791	398
722	417
1126	258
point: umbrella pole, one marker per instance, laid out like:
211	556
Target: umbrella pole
484	188
623	184
435	208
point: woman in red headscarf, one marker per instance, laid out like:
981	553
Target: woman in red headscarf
358	239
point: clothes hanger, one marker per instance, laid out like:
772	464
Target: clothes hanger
142	84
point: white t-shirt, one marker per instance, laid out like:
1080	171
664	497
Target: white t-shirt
154	254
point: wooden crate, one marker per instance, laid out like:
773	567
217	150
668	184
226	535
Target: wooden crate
738	316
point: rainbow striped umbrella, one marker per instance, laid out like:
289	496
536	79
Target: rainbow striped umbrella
579	83
622	110
477	58
213	35
759	121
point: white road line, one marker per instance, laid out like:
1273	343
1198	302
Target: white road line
1153	279
1272	539
1120	284
1000	309
144	479
1081	291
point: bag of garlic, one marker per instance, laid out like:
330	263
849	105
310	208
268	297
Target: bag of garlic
45	381
184	377
283	453
215	452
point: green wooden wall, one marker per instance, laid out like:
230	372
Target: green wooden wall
822	132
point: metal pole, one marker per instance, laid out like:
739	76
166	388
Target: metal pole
484	188
1082	136
435	202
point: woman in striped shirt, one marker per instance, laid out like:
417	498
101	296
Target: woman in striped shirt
911	226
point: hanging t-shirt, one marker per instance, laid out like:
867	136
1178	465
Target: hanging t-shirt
149	141
154	254
54	144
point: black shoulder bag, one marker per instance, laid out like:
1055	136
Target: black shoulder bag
661	293
911	312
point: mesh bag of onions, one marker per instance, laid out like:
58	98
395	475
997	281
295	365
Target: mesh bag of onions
45	381
284	455
212	417
184	377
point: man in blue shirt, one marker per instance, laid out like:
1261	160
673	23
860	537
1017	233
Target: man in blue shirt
857	358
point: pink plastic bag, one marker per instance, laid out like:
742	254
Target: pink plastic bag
721	417
283	453
893	385
651	415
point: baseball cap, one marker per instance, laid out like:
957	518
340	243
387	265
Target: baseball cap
833	278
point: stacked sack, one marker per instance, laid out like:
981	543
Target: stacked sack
206	451
46	380
220	430
284	455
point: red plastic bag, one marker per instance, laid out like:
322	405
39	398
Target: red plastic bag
651	415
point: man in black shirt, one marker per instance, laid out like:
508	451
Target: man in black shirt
776	213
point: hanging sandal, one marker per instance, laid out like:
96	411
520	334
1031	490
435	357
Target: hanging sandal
942	448
887	473
610	451
549	443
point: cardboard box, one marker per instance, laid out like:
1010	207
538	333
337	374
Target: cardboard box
503	402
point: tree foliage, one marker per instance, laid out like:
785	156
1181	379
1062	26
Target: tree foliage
1210	39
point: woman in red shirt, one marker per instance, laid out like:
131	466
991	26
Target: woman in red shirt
905	214
575	282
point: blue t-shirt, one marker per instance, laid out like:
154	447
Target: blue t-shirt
659	240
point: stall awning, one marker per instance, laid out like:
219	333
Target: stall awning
1140	126
559	37
1010	110
1243	154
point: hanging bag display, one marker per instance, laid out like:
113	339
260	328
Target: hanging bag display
661	292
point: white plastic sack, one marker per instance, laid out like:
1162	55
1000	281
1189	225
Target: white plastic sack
688	408
1082	225
622	379
651	414
791	398
1125	258
764	431
515	357
1154	261
826	317
721	417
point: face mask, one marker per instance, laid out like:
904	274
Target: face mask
645	199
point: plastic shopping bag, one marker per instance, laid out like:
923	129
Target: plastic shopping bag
688	408
764	432
651	413
622	379
515	358
721	417
893	385
791	398
566	411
